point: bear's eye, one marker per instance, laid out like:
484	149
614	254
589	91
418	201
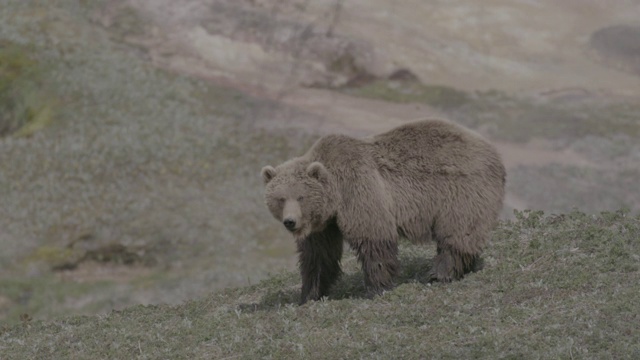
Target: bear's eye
300	198
281	200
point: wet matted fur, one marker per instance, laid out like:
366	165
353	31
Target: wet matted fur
425	180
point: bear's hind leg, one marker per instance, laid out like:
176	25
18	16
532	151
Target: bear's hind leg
319	260
452	264
379	261
458	254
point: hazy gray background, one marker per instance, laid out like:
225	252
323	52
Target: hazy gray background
133	131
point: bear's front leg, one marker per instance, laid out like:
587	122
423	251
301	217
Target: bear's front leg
379	261
319	260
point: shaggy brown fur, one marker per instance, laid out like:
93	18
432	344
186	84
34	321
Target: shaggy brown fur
427	180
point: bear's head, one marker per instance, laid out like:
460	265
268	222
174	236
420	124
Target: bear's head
299	194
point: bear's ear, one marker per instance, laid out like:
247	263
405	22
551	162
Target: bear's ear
268	172
318	171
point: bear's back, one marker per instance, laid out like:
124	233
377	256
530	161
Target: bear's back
341	152
435	147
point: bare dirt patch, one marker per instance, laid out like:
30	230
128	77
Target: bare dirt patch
90	272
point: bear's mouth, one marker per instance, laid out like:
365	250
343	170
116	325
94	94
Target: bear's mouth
299	232
295	231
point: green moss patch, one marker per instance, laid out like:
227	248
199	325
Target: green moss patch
25	107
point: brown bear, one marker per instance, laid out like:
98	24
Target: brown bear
423	180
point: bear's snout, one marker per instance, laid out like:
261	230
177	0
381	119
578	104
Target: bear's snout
290	224
292	215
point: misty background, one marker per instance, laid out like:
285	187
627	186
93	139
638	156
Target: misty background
132	132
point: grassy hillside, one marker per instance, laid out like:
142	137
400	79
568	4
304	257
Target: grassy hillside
142	186
561	286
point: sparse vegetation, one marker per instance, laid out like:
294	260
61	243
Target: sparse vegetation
548	118
439	96
557	286
616	187
514	118
127	22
